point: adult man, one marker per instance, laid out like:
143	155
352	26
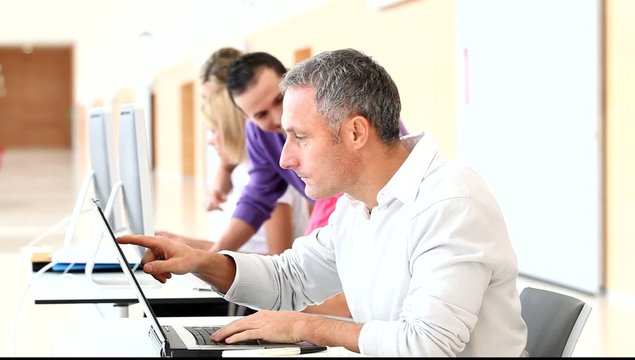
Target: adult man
417	243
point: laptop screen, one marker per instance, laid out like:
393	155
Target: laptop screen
157	336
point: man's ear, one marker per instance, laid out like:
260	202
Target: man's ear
358	131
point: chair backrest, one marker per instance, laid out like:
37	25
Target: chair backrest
554	322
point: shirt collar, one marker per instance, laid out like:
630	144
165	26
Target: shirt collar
404	185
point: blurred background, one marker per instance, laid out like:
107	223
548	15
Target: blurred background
536	95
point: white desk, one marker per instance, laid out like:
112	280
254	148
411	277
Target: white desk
76	288
128	337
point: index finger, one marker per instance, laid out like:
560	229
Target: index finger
142	240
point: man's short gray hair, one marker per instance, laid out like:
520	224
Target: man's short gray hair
348	82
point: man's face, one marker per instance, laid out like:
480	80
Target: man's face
325	167
262	101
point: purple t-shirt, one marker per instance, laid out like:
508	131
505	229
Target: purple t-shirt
267	180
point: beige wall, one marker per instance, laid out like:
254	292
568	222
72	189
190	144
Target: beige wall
170	141
620	148
414	41
180	157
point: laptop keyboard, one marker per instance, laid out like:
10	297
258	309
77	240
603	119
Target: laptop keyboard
202	336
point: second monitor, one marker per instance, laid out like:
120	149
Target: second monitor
135	171
135	186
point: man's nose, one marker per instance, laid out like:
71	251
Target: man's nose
285	158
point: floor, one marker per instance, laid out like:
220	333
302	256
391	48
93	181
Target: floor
38	189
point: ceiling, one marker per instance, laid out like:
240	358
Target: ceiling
128	39
44	21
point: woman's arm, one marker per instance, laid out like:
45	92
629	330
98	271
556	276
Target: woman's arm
279	229
221	186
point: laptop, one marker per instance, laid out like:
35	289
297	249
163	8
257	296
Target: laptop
176	340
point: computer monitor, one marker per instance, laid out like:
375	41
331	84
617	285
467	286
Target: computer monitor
135	171
101	182
102	159
134	189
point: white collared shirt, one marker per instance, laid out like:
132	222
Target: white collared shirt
430	271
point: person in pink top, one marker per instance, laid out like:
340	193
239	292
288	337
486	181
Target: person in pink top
321	212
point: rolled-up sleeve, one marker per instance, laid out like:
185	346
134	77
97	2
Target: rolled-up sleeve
300	276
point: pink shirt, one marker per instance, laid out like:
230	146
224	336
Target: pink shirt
321	212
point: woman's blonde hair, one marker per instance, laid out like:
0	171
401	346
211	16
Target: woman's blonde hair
222	115
227	119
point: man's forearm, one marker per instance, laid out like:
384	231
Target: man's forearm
322	330
217	270
236	234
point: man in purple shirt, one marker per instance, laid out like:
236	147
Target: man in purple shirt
252	82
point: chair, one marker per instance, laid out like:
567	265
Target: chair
554	322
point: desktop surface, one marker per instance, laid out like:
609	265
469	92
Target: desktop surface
182	295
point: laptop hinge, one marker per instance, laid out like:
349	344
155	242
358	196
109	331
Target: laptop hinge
161	346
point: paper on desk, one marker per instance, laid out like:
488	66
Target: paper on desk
336	351
246	353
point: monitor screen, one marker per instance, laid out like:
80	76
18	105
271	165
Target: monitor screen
135	171
102	158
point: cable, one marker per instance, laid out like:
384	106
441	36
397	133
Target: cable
81	198
53	228
46	233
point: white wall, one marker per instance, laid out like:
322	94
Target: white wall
529	97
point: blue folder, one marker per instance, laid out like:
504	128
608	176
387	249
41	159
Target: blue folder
81	267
